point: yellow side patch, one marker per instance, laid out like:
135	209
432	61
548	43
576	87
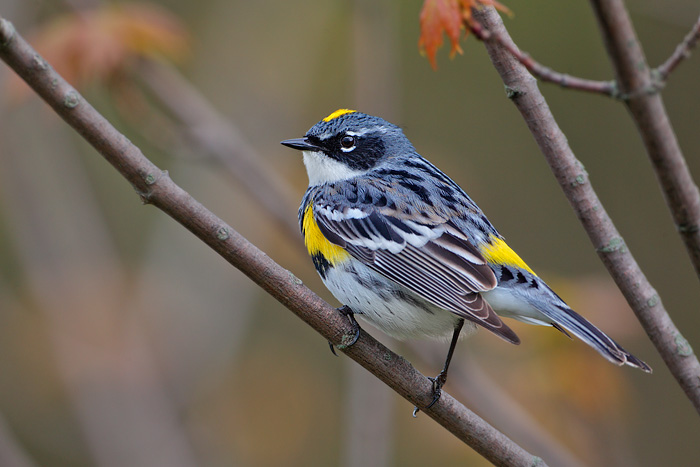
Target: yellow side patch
498	252
316	243
338	113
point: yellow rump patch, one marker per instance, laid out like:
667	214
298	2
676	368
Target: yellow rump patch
316	243
338	113
498	252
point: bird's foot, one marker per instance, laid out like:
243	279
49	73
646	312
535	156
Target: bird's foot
347	311
438	382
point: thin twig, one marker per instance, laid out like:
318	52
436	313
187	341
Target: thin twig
155	187
543	72
681	52
606	239
649	114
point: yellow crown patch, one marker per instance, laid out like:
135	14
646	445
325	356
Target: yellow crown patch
338	113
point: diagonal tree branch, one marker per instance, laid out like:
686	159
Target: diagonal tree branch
154	186
573	179
649	114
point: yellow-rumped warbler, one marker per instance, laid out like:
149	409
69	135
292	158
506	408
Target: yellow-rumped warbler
401	244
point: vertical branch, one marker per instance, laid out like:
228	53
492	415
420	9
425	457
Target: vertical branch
637	84
573	179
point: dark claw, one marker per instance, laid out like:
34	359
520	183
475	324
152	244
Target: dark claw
438	382
330	344
347	311
437	388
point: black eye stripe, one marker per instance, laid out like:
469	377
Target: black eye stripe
361	154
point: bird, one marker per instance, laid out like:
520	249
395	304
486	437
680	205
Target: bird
403	246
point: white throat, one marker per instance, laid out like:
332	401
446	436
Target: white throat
322	169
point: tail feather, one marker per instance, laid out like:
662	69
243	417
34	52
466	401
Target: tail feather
568	319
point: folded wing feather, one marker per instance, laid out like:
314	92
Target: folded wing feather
434	261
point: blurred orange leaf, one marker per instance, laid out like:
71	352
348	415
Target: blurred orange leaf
564	364
100	43
450	17
435	17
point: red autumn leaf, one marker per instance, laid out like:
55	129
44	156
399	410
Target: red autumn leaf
450	17
436	17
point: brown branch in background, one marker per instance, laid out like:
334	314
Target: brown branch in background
649	114
217	138
681	53
12	454
569	172
155	187
542	72
114	388
376	82
472	384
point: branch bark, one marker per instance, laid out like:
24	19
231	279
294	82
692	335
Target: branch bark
573	179
649	114
681	52
154	186
607	88
474	385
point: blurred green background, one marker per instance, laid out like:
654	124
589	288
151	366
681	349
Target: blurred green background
125	341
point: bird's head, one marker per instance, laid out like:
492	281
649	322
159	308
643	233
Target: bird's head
348	144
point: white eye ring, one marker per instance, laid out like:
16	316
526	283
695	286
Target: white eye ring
347	143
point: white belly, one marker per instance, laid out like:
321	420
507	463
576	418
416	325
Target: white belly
389	306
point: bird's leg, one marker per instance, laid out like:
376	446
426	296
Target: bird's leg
347	311
439	380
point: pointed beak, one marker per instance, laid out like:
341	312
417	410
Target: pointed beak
301	144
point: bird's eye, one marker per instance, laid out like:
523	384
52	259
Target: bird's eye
347	142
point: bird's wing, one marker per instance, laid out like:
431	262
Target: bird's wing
430	257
